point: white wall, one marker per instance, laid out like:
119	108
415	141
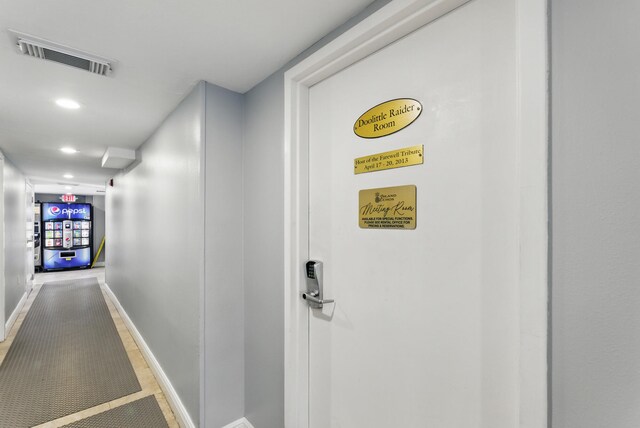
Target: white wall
155	262
595	214
15	234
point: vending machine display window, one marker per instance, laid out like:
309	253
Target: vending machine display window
68	243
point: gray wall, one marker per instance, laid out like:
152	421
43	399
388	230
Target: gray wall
15	234
595	214
155	248
263	255
224	293
264	241
174	251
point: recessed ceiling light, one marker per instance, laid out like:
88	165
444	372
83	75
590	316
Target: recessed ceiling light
67	103
68	176
68	187
68	150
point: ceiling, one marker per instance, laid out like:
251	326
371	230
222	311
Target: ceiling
162	48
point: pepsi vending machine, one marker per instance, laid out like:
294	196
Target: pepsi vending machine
68	242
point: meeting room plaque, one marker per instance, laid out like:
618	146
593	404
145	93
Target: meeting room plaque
388	208
387	118
407	156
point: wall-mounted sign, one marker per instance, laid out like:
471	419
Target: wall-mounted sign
388	208
68	198
387	118
388	160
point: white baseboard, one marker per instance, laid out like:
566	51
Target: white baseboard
14	316
170	393
240	423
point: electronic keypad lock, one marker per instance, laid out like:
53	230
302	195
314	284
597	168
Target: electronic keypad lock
314	296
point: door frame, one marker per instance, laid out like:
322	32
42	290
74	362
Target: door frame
392	22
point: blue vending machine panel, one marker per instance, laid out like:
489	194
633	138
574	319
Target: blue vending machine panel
57	259
51	211
67	241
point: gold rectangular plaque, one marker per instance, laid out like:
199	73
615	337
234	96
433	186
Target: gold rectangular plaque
408	156
388	208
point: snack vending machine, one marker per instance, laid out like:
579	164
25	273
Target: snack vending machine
68	242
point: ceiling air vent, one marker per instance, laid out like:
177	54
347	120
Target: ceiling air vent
44	49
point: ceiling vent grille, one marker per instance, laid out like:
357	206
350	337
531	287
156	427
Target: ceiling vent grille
43	49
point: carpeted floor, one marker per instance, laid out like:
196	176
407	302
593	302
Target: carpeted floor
66	357
143	413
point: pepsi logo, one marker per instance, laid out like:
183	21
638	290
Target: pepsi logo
54	210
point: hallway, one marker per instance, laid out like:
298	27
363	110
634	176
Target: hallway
69	360
340	214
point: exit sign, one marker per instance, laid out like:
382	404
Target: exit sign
68	198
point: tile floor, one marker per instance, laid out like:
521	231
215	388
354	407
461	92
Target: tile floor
145	376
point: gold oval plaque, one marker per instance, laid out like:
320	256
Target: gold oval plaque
387	118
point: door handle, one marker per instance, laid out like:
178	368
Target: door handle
314	296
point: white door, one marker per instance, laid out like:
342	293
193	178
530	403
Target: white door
424	331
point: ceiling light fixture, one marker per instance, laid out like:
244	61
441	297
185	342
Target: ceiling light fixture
68	150
67	103
69	176
68	187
